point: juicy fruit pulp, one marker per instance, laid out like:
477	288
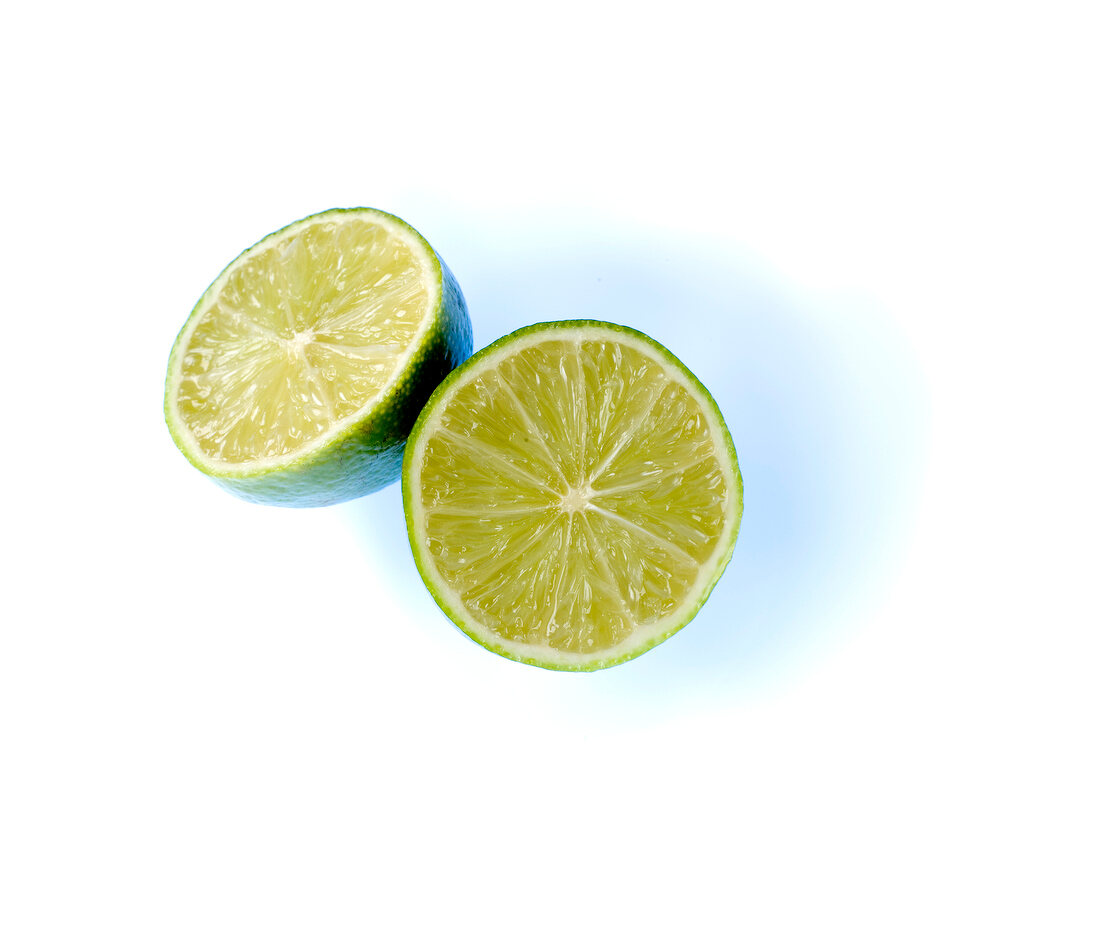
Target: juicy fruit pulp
300	338
573	497
302	369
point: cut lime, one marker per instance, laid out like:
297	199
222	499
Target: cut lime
301	370
572	495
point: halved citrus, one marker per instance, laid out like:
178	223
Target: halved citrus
572	495
300	372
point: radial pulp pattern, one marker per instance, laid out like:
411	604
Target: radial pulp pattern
323	339
572	494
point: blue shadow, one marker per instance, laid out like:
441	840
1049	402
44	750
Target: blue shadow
825	402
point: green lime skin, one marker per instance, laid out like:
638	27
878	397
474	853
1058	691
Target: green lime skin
367	455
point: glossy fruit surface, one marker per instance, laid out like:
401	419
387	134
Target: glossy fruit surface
572	495
299	374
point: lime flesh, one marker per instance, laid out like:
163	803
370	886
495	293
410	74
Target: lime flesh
299	374
572	495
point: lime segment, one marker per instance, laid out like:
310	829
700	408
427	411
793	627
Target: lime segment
572	495
304	365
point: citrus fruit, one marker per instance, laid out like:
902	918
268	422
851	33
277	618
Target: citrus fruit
572	495
301	370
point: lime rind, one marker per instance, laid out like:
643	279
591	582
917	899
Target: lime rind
362	452
645	637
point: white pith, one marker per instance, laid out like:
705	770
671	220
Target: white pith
576	498
431	276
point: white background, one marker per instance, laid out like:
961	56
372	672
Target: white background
870	228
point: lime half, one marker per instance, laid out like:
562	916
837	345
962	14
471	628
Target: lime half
300	372
572	495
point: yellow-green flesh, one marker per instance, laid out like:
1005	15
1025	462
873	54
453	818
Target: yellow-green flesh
299	337
571	494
